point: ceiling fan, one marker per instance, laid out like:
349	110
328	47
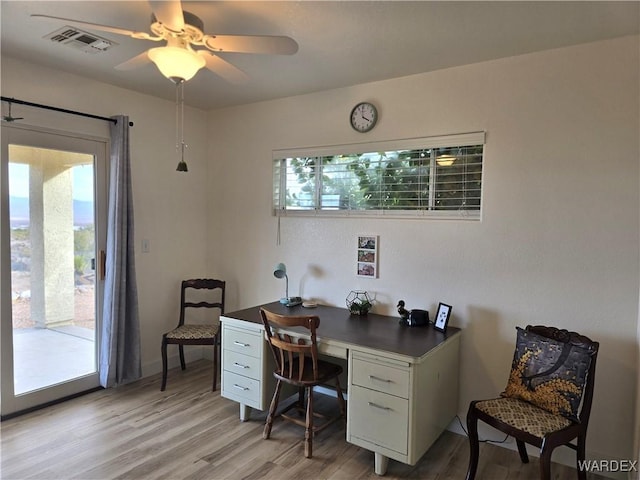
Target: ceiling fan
182	30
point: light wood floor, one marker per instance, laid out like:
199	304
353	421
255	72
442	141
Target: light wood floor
188	432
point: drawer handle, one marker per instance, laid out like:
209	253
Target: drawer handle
373	377
241	387
239	365
371	404
240	344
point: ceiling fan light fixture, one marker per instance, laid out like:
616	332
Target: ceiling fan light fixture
175	63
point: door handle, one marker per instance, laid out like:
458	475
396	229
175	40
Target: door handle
103	264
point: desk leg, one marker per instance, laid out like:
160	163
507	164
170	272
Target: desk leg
381	463
245	412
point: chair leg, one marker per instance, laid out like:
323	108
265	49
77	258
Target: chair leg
215	364
308	432
301	403
580	456
545	463
341	402
522	450
181	350
272	411
163	349
474	445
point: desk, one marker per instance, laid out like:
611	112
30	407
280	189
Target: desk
402	384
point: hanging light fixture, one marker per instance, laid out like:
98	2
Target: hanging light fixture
180	145
177	61
445	160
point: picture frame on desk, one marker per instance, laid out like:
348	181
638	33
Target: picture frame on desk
442	317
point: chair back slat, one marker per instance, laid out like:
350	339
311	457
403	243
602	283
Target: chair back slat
214	302
292	355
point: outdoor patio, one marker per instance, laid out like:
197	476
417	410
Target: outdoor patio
44	357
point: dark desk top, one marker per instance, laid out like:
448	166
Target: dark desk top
374	331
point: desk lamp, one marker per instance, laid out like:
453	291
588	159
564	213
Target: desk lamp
280	271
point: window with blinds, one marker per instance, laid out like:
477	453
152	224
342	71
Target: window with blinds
430	177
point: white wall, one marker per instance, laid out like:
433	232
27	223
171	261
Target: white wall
170	207
558	242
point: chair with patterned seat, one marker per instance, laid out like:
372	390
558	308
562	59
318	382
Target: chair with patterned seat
191	333
548	398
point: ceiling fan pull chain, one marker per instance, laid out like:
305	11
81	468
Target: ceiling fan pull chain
182	165
177	116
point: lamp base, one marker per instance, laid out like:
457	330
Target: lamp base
291	301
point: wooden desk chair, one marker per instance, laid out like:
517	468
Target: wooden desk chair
195	334
547	401
297	364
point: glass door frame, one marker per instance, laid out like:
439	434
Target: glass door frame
66	141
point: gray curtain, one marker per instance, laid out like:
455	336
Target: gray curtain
120	342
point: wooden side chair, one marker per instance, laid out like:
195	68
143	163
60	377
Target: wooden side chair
297	364
547	401
195	334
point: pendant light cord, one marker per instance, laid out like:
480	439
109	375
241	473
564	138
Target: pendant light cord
180	145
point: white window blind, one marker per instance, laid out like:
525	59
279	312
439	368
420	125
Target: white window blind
430	176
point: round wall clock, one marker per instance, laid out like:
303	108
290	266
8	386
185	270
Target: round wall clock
364	117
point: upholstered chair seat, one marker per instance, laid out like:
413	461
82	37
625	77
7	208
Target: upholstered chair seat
190	332
523	416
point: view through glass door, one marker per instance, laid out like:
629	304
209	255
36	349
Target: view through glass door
55	265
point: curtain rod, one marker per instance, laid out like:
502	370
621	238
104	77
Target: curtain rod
58	109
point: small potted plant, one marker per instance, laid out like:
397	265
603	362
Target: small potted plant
358	302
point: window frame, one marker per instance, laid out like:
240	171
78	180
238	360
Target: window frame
280	156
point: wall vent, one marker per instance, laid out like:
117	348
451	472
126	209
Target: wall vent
81	40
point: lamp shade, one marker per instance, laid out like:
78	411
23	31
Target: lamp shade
280	271
176	63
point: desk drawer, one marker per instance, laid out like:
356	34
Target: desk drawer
242	364
242	341
242	389
379	418
380	377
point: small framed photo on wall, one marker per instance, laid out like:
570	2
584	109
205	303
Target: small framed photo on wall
442	317
367	256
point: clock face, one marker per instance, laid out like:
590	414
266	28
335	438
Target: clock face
364	117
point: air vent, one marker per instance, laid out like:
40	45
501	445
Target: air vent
85	41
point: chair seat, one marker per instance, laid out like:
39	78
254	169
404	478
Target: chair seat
193	332
326	372
523	416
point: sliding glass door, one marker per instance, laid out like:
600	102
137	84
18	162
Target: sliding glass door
53	230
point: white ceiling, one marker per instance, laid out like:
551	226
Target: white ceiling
340	43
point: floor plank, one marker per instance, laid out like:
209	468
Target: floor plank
189	432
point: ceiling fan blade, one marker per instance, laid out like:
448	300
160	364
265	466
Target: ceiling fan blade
169	13
277	45
96	26
135	62
223	68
